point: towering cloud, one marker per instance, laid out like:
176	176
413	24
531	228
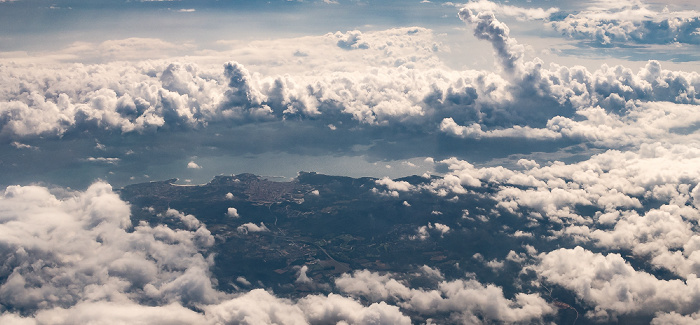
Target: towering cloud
487	27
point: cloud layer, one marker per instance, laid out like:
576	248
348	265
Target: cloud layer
625	210
74	257
527	100
630	21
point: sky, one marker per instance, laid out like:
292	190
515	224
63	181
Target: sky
555	103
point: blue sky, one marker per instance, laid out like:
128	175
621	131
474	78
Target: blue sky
49	26
204	21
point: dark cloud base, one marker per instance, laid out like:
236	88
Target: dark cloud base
73	160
